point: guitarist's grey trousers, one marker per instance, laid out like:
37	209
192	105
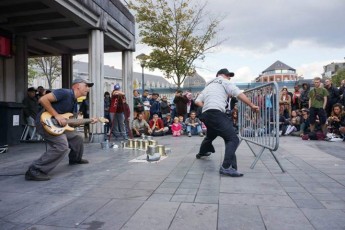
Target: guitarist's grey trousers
71	142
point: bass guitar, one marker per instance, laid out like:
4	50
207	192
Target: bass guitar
51	125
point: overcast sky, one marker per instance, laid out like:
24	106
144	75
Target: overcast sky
304	34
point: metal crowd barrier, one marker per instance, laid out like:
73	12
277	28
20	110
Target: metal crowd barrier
261	129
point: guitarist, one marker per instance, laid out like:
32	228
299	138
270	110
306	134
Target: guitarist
58	102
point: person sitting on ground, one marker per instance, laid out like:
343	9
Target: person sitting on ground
304	122
140	126
167	121
336	121
181	120
294	122
157	126
176	128
193	125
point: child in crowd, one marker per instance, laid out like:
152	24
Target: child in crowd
180	118
176	127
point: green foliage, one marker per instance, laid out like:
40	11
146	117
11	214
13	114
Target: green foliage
49	67
178	34
338	77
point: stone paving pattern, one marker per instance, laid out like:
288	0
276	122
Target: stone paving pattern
180	192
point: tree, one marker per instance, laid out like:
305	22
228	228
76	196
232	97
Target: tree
340	75
177	33
49	67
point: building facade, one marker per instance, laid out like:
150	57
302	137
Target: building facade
278	72
331	69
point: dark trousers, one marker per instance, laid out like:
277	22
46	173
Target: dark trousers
219	124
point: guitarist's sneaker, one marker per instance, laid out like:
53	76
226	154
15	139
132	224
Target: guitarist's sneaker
36	175
82	161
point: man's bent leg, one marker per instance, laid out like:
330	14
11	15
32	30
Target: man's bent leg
57	149
76	144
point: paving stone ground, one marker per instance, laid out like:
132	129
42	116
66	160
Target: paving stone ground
180	192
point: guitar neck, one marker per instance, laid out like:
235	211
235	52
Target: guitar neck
76	122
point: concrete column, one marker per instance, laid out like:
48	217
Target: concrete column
21	68
96	75
127	78
66	70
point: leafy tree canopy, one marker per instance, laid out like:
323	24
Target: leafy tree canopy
49	67
338	77
178	33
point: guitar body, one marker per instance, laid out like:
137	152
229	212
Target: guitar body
51	125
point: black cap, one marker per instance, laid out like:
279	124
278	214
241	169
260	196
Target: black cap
225	72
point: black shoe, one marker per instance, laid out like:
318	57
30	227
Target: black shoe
82	161
199	155
230	172
36	175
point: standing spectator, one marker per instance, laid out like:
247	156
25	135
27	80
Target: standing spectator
193	125
270	100
333	96
117	115
234	117
40	93
190	104
317	105
342	92
305	96
213	100
147	105
31	109
155	105
127	113
285	102
137	103
231	102
176	128
296	98
172	107
59	102
165	108
180	102
157	126
107	102
85	111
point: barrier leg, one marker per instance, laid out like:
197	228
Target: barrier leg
257	158
281	167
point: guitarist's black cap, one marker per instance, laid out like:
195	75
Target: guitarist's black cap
80	80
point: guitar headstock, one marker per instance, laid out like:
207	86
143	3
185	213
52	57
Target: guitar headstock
103	120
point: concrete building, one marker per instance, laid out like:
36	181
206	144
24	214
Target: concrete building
331	69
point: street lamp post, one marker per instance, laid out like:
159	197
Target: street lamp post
142	58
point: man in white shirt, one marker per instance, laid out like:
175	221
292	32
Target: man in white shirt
213	99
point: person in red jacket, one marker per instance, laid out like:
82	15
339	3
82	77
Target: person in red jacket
117	115
157	126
